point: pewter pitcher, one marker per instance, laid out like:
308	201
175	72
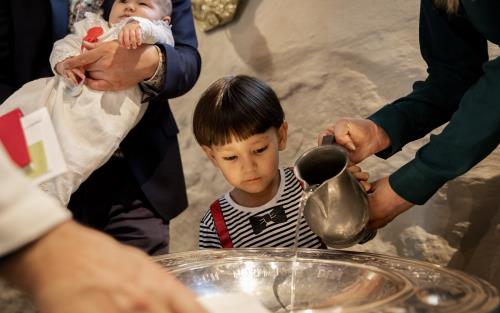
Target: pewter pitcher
337	207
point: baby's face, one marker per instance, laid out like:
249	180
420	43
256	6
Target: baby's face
250	165
150	9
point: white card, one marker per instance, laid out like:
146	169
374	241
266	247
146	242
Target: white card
45	151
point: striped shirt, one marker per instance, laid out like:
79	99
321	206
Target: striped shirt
279	233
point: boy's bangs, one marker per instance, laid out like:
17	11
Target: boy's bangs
235	108
237	127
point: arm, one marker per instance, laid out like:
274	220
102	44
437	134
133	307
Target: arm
79	270
64	48
183	62
66	267
71	46
472	134
474	128
139	30
25	212
458	90
454	53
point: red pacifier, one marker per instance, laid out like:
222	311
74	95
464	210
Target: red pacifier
92	35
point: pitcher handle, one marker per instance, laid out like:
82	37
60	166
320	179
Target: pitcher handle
327	140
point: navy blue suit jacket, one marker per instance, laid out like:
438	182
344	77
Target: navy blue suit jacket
151	148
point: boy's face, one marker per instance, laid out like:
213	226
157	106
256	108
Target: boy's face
250	165
150	9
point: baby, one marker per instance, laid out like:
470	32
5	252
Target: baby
91	124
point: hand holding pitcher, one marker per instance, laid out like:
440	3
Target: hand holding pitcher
362	138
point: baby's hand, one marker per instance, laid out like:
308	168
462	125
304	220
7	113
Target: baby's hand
361	176
130	37
75	75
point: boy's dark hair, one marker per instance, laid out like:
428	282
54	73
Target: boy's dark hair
239	106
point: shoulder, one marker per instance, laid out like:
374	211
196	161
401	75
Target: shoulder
208	216
290	177
292	186
288	171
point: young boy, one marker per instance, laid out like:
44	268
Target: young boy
241	127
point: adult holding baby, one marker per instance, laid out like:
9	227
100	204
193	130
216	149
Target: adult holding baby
134	195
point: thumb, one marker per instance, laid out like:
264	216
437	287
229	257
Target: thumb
90	45
342	135
82	60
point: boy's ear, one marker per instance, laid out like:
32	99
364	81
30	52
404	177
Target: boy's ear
210	155
282	136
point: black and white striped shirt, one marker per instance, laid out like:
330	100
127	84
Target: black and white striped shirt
274	234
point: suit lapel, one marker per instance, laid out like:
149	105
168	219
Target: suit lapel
60	10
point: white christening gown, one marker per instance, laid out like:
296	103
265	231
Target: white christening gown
90	125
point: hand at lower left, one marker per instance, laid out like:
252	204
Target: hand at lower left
384	204
110	67
73	269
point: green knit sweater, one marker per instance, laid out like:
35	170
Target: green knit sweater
462	88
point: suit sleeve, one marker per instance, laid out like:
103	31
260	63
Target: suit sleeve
454	53
183	62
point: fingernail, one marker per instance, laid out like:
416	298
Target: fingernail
351	146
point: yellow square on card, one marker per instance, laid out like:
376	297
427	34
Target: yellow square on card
38	165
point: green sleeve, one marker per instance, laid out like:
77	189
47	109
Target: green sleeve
472	134
463	88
